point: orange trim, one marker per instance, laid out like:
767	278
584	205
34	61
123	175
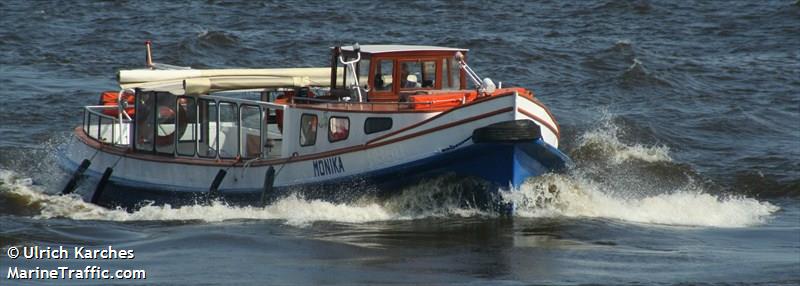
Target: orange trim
542	121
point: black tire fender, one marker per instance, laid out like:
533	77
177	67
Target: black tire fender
508	131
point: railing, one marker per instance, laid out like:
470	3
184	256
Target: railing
105	128
240	101
371	106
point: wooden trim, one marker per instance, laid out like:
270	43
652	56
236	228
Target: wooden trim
540	120
437	116
547	110
374	61
370	111
437	77
334	63
444	126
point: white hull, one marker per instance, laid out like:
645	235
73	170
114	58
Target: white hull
435	133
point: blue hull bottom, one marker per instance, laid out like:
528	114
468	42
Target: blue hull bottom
481	168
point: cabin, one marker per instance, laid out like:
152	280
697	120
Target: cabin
391	73
280	113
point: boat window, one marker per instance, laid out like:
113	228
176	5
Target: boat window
187	121
308	129
410	75
417	74
455	73
449	75
377	124
383	75
165	123
251	131
207	146
144	132
428	74
363	71
228	130
362	68
338	129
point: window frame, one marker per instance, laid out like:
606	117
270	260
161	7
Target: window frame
437	84
330	128
391	124
141	119
237	121
204	126
243	143
316	130
374	70
157	126
194	130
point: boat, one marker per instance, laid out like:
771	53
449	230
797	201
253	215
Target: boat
378	119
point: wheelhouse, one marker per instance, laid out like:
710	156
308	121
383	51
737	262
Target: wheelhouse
391	73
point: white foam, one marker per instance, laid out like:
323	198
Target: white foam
293	210
577	197
605	140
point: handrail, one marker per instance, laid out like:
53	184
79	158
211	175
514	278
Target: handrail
94	110
91	107
120	104
245	101
371	103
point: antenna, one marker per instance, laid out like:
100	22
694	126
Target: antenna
149	55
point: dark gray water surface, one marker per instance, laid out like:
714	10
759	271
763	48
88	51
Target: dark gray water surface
683	118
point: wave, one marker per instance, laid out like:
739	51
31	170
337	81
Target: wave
626	62
603	144
293	209
563	195
637	75
553	195
217	38
612	179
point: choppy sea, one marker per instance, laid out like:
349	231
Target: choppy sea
682	117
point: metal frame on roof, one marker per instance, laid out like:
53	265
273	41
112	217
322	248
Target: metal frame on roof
374	49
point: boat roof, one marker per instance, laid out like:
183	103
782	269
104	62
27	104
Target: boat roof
374	49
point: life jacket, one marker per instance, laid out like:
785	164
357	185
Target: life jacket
109	98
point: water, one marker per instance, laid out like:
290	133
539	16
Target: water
682	119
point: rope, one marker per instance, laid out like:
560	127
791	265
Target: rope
284	164
95	154
247	164
115	163
451	147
